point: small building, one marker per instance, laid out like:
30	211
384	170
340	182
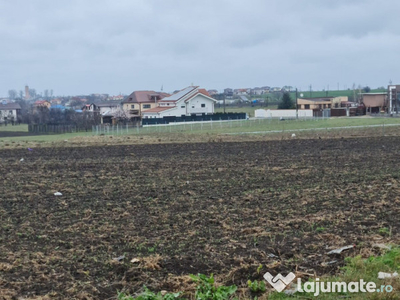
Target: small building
186	102
374	102
9	112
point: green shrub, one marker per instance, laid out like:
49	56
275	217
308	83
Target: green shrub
256	286
149	295
206	289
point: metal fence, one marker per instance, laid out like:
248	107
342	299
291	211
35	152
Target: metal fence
205	126
47	128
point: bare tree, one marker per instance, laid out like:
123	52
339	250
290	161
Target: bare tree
12	94
32	93
121	115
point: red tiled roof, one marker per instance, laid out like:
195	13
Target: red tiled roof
204	92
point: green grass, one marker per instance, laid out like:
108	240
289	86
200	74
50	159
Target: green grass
9	127
267	125
254	126
46	138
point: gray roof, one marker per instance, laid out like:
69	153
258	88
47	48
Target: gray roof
108	104
9	106
180	94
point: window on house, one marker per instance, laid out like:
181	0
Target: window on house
183	106
146	105
192	106
203	105
306	106
167	103
132	106
10	111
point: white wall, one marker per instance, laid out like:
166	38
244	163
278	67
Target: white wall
284	113
196	102
186	109
6	113
108	109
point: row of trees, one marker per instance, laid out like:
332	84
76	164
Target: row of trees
13	94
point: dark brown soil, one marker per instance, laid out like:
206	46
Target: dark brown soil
179	209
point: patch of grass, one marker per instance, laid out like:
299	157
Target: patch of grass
207	290
9	127
149	295
384	231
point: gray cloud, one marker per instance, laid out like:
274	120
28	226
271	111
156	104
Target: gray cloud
80	47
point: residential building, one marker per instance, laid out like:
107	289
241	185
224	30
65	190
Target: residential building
106	110
322	103
314	103
55	101
212	92
139	101
228	92
42	103
9	112
186	102
240	92
116	98
276	89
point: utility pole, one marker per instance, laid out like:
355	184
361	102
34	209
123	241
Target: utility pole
297	107
224	102
310	91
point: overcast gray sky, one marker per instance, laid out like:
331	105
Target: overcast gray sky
111	46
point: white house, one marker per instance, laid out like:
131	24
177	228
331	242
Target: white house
9	112
186	102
